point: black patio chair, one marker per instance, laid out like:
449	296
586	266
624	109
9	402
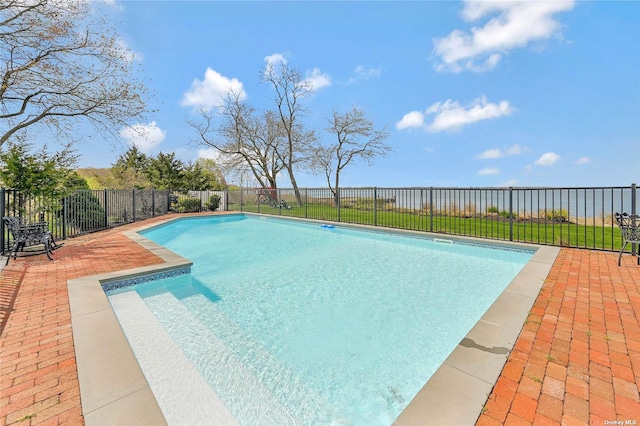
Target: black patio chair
285	205
630	227
29	235
282	204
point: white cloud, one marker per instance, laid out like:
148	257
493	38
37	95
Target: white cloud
144	136
547	159
209	92
451	115
497	152
514	150
512	24
317	79
363	73
583	160
489	171
209	153
276	58
410	120
273	61
490	153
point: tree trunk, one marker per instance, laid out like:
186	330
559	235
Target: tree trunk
336	190
295	185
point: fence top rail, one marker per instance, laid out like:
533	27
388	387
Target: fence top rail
451	188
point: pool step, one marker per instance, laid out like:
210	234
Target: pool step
302	402
242	392
166	367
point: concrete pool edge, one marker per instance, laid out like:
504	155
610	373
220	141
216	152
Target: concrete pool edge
114	390
458	390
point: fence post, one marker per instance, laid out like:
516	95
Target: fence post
511	213
338	199
241	198
64	218
153	203
259	199
133	204
2	214
279	202
375	206
306	203
634	247
431	209
106	208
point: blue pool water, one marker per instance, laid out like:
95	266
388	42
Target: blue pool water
295	323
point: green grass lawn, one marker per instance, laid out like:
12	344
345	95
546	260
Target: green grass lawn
491	227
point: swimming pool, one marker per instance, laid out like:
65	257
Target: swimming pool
330	325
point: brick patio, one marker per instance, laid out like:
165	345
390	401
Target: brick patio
577	360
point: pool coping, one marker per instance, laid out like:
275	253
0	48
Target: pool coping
114	390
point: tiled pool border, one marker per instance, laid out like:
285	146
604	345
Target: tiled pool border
114	390
128	282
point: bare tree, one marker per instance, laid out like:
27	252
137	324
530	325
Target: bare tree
356	139
59	63
290	89
245	140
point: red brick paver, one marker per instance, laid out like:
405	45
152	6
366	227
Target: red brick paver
581	344
576	361
38	375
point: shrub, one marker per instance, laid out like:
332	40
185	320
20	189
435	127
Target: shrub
560	215
368	203
214	202
502	213
188	205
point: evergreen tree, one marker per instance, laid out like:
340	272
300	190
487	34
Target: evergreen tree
130	170
165	171
40	178
40	173
203	175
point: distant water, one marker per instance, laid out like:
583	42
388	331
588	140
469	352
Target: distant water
577	202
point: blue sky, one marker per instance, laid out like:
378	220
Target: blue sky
471	93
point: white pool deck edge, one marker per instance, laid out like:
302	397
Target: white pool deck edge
114	391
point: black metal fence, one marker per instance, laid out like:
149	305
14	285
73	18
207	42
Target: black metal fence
573	217
94	210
